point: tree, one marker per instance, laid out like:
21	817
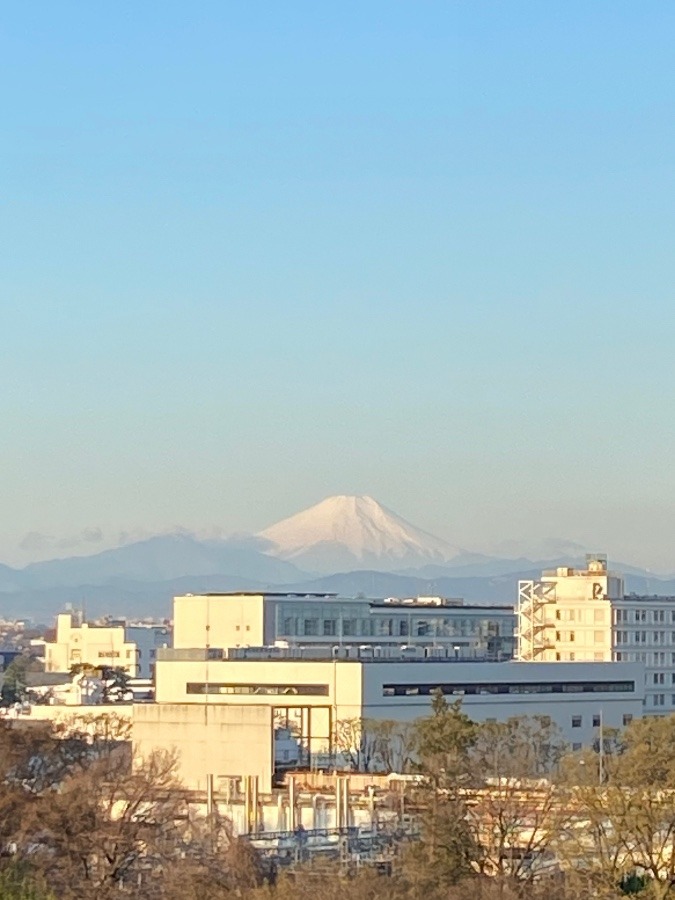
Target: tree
447	850
14	681
375	745
356	744
516	811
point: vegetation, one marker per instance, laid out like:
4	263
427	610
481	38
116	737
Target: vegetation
505	814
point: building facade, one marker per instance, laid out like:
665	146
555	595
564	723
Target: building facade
132	648
584	615
310	697
299	620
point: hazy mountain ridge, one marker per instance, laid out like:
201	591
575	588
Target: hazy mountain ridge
357	547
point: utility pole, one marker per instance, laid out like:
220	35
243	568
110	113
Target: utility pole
601	753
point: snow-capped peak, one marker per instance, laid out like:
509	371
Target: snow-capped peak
351	530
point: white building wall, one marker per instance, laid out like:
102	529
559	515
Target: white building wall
88	645
353	689
575	713
218	620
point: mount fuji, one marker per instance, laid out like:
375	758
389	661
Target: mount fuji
346	532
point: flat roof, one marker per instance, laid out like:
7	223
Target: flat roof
257	594
379	604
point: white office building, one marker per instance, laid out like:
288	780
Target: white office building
584	615
252	619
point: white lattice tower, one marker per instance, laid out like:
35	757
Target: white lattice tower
533	598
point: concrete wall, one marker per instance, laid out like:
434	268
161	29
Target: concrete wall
565	709
112	720
219	621
355	689
342	680
224	740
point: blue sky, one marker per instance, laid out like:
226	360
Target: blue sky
255	254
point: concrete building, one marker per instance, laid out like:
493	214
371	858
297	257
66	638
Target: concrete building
249	619
132	648
584	615
206	700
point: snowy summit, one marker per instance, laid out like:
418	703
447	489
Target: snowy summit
344	532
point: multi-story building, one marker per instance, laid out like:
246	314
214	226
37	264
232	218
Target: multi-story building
584	615
260	619
129	647
221	709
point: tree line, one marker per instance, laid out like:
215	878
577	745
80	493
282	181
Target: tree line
504	812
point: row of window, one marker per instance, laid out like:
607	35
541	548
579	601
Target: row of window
307	690
657	616
577	721
599	637
641	637
579	615
567	687
598	656
657	658
659	699
403	626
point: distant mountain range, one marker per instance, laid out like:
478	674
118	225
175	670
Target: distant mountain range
346	545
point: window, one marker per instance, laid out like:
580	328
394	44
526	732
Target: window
627	718
306	690
311	626
576	721
329	627
599	657
403	628
659	678
598	637
659	700
576	746
659	615
248	627
477	688
349	627
597	719
598	616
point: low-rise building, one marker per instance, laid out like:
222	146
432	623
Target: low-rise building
129	647
251	619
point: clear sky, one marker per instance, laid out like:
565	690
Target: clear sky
257	253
